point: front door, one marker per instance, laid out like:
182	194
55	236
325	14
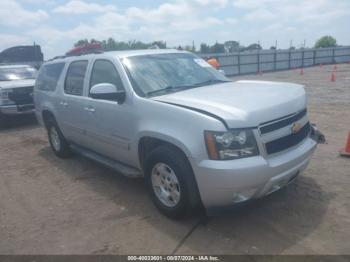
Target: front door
110	123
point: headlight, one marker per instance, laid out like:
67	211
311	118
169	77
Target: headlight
4	96
232	144
4	93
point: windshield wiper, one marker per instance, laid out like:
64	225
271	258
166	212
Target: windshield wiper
210	82
168	89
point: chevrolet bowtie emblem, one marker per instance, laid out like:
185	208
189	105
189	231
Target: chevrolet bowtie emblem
296	128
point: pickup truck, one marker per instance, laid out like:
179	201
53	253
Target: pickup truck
16	89
196	137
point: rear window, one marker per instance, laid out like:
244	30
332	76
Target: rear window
48	76
75	78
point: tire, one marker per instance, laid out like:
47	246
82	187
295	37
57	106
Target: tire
176	195
58	143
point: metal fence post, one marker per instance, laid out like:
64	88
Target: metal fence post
274	60
289	59
239	62
314	57
258	60
333	55
302	58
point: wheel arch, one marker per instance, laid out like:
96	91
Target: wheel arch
147	142
47	115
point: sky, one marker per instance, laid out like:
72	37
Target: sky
57	24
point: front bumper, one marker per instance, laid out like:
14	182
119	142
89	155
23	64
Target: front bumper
225	183
17	109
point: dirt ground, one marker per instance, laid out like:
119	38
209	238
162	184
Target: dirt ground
54	206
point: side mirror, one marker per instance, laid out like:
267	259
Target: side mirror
107	91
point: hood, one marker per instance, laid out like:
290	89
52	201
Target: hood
242	103
16	83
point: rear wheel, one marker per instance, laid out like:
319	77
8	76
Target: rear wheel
58	143
171	183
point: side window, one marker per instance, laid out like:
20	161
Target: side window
104	71
74	83
48	76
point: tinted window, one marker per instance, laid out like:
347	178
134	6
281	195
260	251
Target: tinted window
48	76
105	72
74	84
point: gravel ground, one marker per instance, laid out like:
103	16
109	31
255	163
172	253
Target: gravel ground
74	206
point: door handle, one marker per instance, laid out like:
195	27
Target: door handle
90	109
64	104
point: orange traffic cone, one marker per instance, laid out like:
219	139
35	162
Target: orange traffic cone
333	78
302	71
346	150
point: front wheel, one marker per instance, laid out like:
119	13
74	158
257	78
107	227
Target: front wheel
171	183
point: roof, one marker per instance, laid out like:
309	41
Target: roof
119	54
126	53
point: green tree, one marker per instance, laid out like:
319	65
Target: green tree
204	49
231	46
326	41
217	48
81	42
160	44
253	47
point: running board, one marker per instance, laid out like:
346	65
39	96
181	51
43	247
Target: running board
117	166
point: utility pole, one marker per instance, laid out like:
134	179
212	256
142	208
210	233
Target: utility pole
275	58
290	53
239	57
258	58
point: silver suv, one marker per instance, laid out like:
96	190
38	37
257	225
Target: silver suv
196	137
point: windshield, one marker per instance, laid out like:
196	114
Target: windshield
163	73
18	73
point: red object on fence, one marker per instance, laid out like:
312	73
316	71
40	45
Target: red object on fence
333	78
302	71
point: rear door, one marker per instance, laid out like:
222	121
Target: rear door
72	103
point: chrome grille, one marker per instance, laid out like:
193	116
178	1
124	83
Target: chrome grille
278	135
22	95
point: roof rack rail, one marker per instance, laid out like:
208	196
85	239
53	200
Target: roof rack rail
86	49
